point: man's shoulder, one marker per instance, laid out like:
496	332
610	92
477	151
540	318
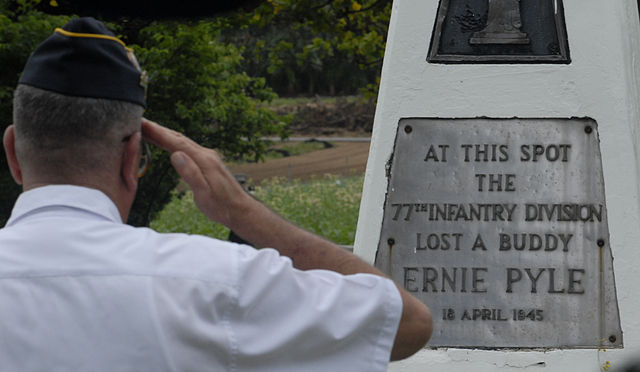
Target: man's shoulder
190	255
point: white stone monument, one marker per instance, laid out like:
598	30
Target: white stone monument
504	169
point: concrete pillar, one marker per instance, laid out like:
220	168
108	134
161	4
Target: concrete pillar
601	83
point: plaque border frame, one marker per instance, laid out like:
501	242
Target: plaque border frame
609	304
433	56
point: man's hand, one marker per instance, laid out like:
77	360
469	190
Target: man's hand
215	191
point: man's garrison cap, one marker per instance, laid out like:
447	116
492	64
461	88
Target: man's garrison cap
85	59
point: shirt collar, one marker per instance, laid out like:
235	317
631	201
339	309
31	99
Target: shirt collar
78	197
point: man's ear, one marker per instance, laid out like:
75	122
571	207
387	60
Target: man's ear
9	142
130	162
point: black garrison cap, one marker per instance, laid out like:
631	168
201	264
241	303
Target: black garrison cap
85	59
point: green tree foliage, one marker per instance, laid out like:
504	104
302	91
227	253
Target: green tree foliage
197	86
314	46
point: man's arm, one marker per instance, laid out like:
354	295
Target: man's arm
222	199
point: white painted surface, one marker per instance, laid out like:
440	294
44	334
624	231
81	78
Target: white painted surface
602	82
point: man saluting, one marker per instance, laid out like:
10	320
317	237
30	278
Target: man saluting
83	291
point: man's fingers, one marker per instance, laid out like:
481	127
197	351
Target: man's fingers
165	138
190	172
151	131
199	158
173	141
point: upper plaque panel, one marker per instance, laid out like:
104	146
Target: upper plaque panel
499	31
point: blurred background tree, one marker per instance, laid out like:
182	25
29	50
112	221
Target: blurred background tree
197	86
323	47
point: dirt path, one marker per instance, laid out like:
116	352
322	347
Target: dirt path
345	158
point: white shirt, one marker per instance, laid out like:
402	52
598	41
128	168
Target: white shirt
81	291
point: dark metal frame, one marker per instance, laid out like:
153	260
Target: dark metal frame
434	57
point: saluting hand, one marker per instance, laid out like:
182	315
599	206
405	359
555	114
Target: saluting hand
215	191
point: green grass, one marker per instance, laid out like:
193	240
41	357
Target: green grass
328	207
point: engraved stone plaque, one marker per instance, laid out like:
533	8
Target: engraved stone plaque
499	31
500	227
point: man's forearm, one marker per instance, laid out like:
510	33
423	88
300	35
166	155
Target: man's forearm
259	225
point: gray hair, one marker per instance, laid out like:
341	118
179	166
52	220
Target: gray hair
64	135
